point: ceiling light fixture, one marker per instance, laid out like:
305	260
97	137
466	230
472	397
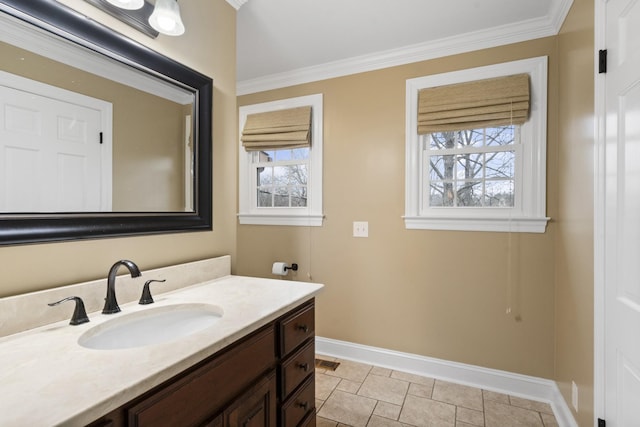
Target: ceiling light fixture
127	4
166	18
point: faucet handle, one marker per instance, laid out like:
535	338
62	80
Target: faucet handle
79	314
146	297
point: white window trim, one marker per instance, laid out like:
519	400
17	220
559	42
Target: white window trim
529	213
312	215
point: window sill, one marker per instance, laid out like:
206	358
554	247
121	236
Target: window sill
517	225
281	219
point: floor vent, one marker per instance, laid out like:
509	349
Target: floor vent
325	364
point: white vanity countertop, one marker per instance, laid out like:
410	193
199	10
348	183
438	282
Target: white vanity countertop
47	378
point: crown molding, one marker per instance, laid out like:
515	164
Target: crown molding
236	3
506	34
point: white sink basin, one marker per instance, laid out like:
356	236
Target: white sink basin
151	326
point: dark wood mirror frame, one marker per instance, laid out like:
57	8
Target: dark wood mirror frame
69	24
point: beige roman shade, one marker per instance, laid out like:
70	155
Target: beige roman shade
472	105
278	129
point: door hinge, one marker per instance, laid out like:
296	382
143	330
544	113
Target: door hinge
602	61
602	423
100	137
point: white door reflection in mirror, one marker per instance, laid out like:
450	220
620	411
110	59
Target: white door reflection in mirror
55	152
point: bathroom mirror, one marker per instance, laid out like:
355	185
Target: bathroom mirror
100	136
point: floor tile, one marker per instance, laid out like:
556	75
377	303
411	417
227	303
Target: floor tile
368	396
351	371
349	386
469	416
383	372
498	397
377	421
459	395
387	410
386	389
500	415
421	390
422	412
412	378
325	384
323	422
549	420
348	408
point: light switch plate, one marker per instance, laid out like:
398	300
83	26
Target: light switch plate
360	229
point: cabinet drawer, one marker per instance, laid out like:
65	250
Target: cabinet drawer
196	396
298	406
310	421
297	368
296	328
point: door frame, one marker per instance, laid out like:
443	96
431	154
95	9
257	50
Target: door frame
599	130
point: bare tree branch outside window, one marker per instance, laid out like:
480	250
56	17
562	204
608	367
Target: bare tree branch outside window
472	168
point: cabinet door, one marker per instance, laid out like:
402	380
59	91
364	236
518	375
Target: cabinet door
207	388
255	408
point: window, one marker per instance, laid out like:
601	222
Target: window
471	168
282	184
490	177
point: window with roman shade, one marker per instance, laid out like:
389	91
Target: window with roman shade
280	162
476	149
478	104
279	129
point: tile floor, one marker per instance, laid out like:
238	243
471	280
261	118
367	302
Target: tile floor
361	395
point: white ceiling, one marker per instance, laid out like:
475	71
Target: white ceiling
283	42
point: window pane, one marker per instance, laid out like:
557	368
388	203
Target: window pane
299	197
469	193
472	138
282	184
290	154
500	164
441	194
264	198
300	153
280	175
281	197
297	175
265	176
442	140
499	193
265	156
469	166
503	135
441	167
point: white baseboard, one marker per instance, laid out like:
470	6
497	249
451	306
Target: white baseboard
524	386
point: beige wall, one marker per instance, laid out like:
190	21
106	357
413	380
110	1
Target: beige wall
209	47
574	239
444	294
434	293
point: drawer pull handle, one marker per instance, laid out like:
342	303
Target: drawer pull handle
303	366
303	328
303	405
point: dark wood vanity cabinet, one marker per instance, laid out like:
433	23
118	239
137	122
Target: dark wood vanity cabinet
263	380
